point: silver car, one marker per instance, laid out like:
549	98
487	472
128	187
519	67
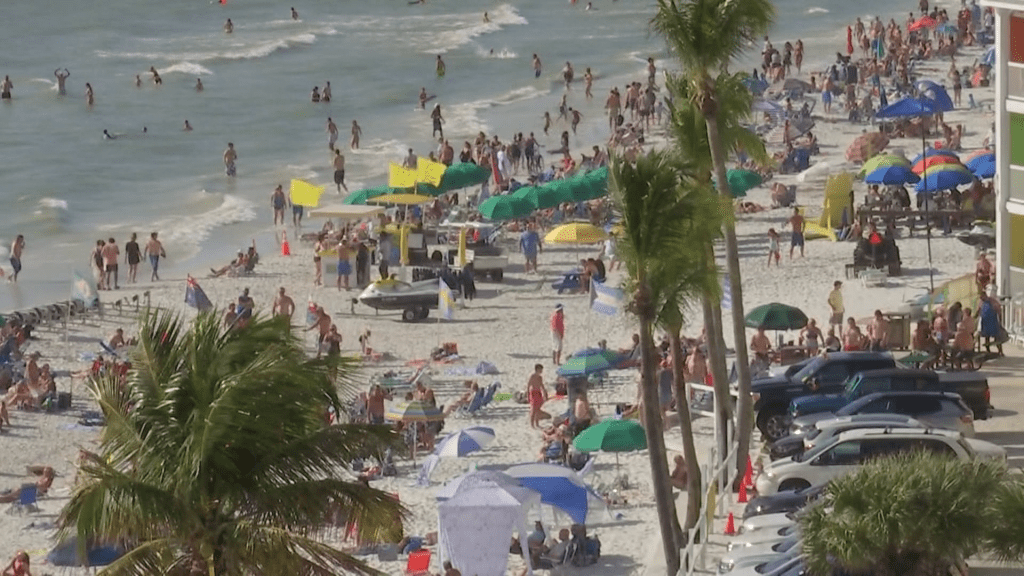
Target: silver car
943	410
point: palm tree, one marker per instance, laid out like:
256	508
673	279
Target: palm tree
217	458
1006	536
706	35
908	515
660	220
688	130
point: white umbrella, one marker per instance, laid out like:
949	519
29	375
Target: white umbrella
464	441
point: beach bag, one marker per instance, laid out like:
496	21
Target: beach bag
1003	336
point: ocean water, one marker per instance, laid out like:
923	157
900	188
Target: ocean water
63	186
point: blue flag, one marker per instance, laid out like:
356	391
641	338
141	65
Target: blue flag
83	290
195	297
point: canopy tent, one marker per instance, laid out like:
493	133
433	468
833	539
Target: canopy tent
475	525
453	486
346	212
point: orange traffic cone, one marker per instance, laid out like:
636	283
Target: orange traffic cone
730	526
748	476
286	250
743	494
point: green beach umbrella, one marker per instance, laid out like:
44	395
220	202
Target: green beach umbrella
462	175
362	196
505	208
741	180
612	436
584	365
540	197
882	160
776	316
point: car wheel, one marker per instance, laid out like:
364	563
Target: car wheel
422	312
772	423
794	485
409	315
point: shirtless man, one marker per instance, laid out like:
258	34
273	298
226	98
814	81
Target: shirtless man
5	88
283	305
344	263
356	133
111	254
438	120
536	66
339	170
536	395
983	272
588	77
332	133
761	345
16	248
878	332
375	404
90	98
576	117
295	15
61	78
423	98
156	76
323	324
567	74
325	94
277	202
199	84
187	127
155	251
796	221
229	27
410	160
613	104
117	340
424	394
229	159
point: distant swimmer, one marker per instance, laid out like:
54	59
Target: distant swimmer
315	95
547	122
590	6
229	159
487	18
295	15
187	127
536	66
339	171
6	86
332	133
435	115
576	117
423	98
138	81
60	80
108	135
356	133
229	27
441	68
588	77
16	248
89	96
325	94
199	84
156	76
567	74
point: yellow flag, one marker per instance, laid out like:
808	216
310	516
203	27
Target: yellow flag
305	194
399	177
429	172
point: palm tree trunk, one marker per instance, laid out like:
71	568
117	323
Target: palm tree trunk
745	405
656	444
719	375
693	485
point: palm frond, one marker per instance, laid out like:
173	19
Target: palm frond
706	35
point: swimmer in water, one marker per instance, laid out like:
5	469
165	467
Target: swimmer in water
441	68
435	115
590	5
356	133
332	133
536	66
138	81
60	80
423	98
108	135
295	15
188	127
315	96
6	86
325	94
589	79
89	98
229	159
199	84
156	76
229	27
486	18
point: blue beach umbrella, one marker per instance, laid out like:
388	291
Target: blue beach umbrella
980	160
985	169
933	152
559	486
907	107
465	441
895	175
944	178
939	98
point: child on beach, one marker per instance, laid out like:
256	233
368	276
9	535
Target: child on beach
773	247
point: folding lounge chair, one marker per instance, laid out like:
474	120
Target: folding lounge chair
26	500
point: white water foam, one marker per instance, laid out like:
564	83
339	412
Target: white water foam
186	233
503	54
464	119
463	28
236	51
186	68
817	10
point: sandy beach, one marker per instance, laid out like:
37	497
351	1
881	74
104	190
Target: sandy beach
506	325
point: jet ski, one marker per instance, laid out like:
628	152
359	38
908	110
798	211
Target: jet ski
414	299
981	235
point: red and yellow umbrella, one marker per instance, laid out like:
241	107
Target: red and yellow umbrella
934	161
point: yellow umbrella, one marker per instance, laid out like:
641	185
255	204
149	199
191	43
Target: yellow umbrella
400	199
575	233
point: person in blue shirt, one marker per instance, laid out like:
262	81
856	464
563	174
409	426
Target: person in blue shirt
529	243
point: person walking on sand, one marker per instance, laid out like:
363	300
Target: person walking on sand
441	68
613	104
323	324
339	170
132	257
332	133
537	395
356	133
529	243
438	120
320	246
557	334
835	304
283	305
61	79
16	249
155	251
796	221
277	202
344	264
773	247
96	260
111	254
229	159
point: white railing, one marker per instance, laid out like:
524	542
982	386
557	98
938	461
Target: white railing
1013	318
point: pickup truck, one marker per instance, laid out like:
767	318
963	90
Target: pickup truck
828	373
973	388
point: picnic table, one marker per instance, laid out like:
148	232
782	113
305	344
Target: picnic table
909	218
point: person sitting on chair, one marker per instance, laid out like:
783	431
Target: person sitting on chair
46	475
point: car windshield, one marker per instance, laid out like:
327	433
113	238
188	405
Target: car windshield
785	545
774	565
811	368
814	433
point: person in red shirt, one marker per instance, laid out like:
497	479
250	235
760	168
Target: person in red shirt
557	334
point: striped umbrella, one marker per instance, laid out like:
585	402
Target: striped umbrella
985	169
891	175
883	161
979	159
934	161
575	233
934	152
464	441
414	411
944	177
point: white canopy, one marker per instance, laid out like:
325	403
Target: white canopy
346	211
476	525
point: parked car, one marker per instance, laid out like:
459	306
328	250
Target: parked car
772	567
753	555
855	447
786	501
762	537
933	409
973	388
803	439
827	373
767	521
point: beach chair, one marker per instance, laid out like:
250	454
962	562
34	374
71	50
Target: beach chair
26	500
474	404
489	393
418	564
